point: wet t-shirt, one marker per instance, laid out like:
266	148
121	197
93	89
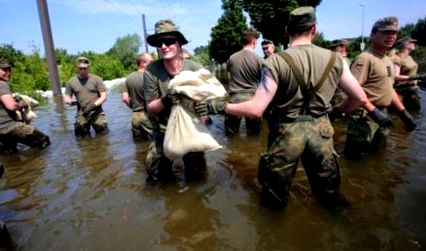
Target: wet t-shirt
87	90
6	118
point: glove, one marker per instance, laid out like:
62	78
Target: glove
381	118
169	99
89	110
200	109
335	114
408	121
420	76
216	106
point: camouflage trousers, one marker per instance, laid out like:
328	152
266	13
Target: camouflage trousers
410	96
159	167
311	140
232	123
20	132
141	126
363	134
82	124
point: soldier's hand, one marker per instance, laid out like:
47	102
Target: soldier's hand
170	99
216	106
89	110
420	76
408	120
200	109
381	118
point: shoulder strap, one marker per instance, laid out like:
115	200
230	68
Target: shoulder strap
327	71
297	74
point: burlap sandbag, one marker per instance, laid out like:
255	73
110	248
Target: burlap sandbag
184	132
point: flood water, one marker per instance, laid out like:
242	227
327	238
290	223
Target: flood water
90	194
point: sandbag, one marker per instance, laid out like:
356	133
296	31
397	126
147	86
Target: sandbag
186	134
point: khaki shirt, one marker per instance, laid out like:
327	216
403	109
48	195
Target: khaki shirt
134	86
85	90
376	75
407	65
7	117
245	71
311	61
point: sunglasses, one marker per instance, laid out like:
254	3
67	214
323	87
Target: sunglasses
167	41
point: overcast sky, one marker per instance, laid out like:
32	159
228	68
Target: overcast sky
83	25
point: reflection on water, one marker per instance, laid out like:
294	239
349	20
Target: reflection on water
90	194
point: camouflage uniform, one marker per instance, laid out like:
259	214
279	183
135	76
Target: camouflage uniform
13	132
299	125
159	167
141	124
244	69
86	92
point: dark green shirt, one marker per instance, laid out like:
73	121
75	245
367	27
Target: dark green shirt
85	90
134	86
245	68
6	116
156	82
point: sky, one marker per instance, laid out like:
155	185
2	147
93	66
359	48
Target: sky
95	25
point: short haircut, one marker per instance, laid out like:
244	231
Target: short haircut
140	57
249	36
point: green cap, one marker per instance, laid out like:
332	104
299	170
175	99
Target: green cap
400	43
166	27
5	63
82	62
386	24
301	18
339	42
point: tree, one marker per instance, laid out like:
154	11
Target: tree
419	32
226	35
201	55
270	16
125	50
321	41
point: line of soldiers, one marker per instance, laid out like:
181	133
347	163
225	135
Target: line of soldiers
293	89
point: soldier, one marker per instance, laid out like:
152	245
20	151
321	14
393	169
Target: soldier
168	40
133	97
11	130
340	46
374	71
244	68
90	93
406	73
298	85
268	48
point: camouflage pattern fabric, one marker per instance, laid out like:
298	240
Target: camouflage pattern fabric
311	140
20	132
159	167
232	123
82	124
141	126
363	133
410	96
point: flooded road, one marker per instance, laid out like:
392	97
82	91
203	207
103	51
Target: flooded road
90	194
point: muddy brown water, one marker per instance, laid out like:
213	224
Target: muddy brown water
91	194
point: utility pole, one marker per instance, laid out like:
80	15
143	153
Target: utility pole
144	33
362	45
48	46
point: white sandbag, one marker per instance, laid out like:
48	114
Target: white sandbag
199	85
186	134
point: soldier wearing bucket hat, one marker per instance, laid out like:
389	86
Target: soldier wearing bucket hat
11	130
168	41
297	86
374	70
406	76
90	93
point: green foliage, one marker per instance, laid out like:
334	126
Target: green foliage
419	32
107	67
321	41
125	50
226	35
7	51
201	55
270	16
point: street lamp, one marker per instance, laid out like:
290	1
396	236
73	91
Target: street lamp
362	45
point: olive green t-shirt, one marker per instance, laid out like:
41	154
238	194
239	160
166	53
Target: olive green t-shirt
6	116
134	86
376	75
245	68
85	90
407	65
156	83
311	60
